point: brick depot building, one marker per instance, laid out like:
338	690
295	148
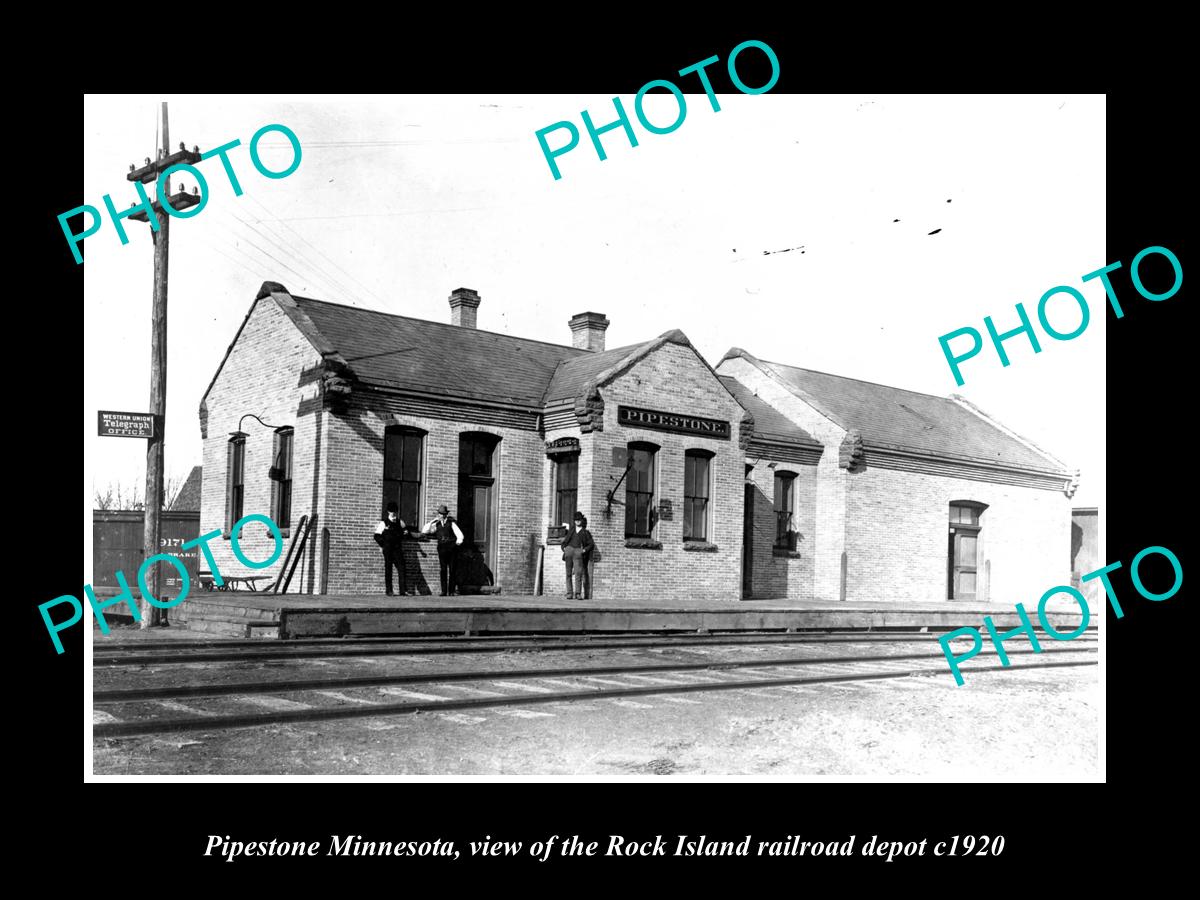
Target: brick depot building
755	480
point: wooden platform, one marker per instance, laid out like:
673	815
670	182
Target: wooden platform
247	614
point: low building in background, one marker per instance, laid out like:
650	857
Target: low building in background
188	497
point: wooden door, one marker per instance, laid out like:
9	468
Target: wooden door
475	514
964	543
477	497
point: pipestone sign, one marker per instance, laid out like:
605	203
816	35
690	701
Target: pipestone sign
1026	327
126	424
662	421
150	211
184	580
622	120
1027	627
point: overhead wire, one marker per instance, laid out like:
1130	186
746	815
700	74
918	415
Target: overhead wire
304	278
217	249
287	245
332	261
331	285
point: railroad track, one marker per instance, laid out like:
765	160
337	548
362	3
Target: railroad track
211	707
109	645
135	653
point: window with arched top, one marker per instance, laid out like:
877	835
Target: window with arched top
964	549
966	512
697	488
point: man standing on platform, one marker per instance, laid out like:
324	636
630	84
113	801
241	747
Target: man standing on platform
449	537
577	553
388	534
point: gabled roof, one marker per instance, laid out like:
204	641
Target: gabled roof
769	423
415	354
891	417
573	375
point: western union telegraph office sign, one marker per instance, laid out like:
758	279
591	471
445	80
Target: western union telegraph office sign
125	424
752	479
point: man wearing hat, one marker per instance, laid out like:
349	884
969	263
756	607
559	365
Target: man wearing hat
577	553
449	537
388	534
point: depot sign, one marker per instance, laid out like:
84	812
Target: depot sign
633	417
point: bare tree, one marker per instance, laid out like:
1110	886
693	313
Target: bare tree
122	495
129	496
104	500
172	485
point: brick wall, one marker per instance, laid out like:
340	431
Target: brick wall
262	376
338	469
897	545
553	568
355	460
671	379
894	526
778	576
828	539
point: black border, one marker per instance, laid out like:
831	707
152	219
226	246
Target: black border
1052	830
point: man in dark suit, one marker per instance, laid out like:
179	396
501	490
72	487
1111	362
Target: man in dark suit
449	537
388	534
577	549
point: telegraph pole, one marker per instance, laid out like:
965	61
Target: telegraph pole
152	615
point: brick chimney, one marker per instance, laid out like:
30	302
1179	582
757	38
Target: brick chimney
463	303
587	331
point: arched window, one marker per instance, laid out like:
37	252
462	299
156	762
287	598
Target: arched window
402	467
785	509
281	478
697	488
639	490
963	555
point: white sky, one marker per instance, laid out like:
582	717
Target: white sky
398	200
